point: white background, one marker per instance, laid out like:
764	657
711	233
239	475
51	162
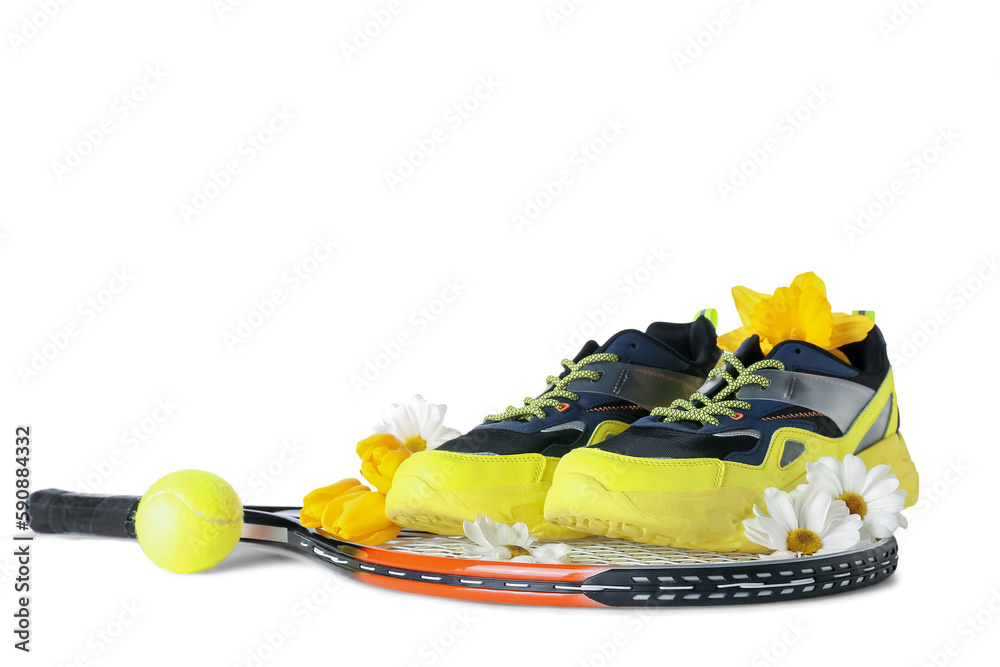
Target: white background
524	294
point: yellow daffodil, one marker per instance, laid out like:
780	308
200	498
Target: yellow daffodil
350	511
798	312
381	455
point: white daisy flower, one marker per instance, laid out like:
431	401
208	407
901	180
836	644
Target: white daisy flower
499	541
874	494
804	525
418	424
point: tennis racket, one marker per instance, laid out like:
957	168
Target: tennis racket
604	573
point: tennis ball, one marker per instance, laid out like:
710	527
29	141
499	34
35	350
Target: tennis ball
189	521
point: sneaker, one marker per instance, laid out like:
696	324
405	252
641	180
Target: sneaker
504	467
688	475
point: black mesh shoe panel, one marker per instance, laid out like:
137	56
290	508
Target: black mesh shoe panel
823	424
505	442
661	443
618	409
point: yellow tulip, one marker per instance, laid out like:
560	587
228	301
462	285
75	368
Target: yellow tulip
315	503
360	518
798	312
351	511
381	454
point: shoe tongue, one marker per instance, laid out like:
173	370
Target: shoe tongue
626	344
749	351
588	348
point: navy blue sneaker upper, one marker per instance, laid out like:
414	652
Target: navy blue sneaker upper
815	391
652	368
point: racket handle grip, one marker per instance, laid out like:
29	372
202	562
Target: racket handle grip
56	511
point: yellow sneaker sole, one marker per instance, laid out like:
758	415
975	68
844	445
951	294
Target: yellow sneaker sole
706	518
436	491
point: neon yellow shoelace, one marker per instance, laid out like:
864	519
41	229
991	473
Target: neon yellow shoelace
686	410
533	407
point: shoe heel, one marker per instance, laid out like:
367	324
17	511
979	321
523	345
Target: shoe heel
893	451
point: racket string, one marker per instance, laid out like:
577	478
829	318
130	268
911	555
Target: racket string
585	551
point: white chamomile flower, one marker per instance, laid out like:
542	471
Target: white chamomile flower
804	525
874	495
417	423
499	541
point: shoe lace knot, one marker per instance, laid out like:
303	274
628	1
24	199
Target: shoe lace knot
705	409
534	407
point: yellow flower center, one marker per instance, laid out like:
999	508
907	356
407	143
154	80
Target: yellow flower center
516	551
804	541
855	503
416	444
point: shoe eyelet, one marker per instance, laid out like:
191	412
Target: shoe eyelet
736	416
562	407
